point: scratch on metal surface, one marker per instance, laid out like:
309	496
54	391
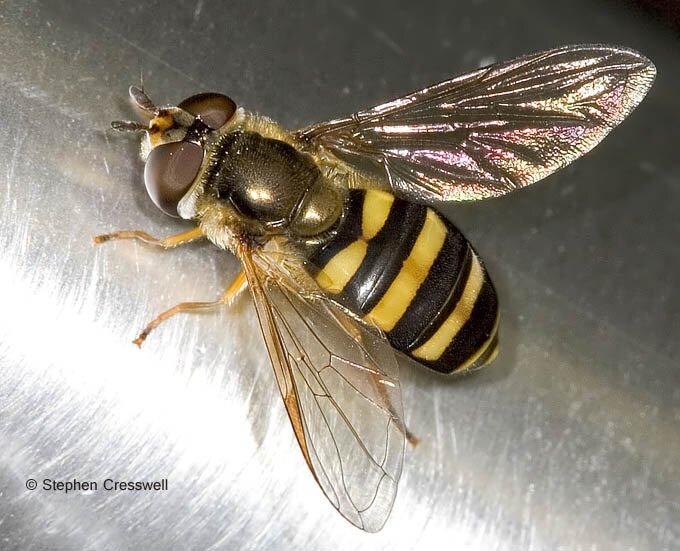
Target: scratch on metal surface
528	531
454	440
151	55
108	146
377	32
580	310
33	92
197	11
15	157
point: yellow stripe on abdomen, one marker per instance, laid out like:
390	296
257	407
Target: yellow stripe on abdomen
401	292
340	269
376	209
432	349
343	265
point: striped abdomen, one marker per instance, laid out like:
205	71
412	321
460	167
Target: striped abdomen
409	271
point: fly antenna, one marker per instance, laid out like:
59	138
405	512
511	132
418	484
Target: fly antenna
142	101
128	126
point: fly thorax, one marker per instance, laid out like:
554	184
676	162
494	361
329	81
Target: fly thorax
266	181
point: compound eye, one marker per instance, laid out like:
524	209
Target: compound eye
214	110
170	170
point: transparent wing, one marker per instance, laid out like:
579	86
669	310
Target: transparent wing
497	129
339	384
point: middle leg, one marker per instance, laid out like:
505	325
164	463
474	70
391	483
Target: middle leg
235	288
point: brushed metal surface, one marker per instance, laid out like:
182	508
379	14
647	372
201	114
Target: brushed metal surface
571	441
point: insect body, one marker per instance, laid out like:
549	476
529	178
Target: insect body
345	260
368	250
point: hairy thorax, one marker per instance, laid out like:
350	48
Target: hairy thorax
258	181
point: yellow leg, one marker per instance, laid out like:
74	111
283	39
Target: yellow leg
238	285
165	243
235	288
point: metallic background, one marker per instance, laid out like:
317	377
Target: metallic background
571	441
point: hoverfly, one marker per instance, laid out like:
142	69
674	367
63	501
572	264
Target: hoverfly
345	260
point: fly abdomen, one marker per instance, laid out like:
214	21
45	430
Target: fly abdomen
406	269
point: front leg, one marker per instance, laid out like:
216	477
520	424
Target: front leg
166	243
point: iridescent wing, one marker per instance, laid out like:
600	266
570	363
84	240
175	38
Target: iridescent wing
497	129
339	384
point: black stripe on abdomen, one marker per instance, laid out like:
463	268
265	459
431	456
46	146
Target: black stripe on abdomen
478	330
384	257
474	343
437	295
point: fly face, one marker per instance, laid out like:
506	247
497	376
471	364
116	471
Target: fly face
345	267
175	142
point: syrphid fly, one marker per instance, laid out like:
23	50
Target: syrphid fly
345	260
